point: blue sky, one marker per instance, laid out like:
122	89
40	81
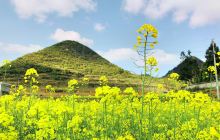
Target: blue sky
109	27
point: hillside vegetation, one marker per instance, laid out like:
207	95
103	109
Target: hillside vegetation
66	60
189	69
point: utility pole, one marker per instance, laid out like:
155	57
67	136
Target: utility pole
216	72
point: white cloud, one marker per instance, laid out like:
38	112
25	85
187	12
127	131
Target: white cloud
40	9
61	35
196	12
19	49
128	54
132	6
119	54
165	58
99	27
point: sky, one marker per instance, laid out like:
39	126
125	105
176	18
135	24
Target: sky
109	27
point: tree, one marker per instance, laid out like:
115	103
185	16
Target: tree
189	53
182	55
209	56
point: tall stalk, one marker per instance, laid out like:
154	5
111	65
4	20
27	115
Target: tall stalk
4	75
143	86
145	31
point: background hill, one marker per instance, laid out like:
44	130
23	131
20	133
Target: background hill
189	69
66	60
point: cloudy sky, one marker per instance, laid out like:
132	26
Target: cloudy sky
109	27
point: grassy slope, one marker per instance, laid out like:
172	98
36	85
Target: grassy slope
59	63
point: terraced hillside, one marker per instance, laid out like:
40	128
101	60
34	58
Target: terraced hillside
66	60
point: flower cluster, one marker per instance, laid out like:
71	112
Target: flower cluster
72	85
212	69
31	76
174	76
152	61
113	114
85	81
50	89
146	31
103	80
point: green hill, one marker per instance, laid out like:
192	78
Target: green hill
66	60
189	69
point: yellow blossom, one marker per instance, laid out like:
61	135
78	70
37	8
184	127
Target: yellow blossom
152	61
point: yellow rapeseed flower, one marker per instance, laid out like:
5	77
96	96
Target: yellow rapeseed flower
212	69
152	61
174	76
